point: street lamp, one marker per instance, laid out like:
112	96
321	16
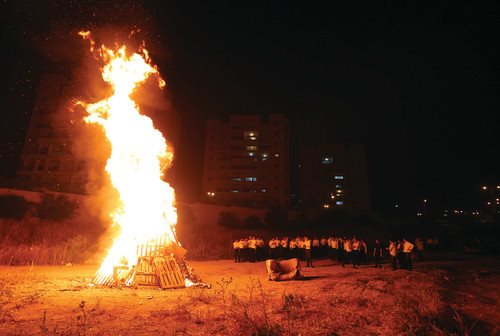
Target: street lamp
425	207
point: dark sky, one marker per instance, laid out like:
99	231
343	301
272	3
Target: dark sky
417	82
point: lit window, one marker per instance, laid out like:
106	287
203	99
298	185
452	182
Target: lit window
276	155
235	191
339	203
250	135
251	148
264	190
251	154
326	160
250	179
236	179
326	206
338	186
264	156
339	177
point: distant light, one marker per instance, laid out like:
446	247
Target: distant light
396	205
419	214
276	155
425	201
485	187
326	206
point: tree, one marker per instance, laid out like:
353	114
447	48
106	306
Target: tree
13	206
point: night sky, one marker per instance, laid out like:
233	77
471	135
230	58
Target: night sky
417	82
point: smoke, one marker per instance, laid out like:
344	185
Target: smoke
88	141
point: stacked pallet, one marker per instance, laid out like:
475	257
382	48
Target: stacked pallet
160	263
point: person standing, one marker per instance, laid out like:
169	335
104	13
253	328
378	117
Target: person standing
363	250
393	252
323	247
307	250
419	244
335	249
315	248
407	250
236	247
377	254
401	257
244	249
272	248
284	247
347	253
356	246
293	248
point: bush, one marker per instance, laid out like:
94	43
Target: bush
252	222
56	208
13	206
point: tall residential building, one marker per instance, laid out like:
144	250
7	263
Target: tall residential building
333	176
247	161
47	158
58	154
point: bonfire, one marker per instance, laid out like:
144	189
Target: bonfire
146	250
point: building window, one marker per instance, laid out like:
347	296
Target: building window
251	179
339	202
53	165
338	186
235	191
40	165
236	179
250	135
264	190
276	155
264	156
339	177
251	148
251	154
327	160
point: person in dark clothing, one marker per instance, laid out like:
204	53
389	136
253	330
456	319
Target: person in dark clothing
377	254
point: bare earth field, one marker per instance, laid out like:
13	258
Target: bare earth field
453	297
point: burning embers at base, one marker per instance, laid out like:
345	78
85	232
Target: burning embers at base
145	213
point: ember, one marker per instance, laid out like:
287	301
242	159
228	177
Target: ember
146	251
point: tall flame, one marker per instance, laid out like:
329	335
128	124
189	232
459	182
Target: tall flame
146	208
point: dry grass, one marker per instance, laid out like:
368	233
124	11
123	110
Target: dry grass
332	301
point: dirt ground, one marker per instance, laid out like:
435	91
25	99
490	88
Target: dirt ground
458	296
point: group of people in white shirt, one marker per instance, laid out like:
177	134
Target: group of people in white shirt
340	249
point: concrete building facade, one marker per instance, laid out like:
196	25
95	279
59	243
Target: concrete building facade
333	176
247	161
47	158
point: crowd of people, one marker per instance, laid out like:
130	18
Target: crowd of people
346	251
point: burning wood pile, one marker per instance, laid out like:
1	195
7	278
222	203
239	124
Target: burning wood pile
160	264
145	251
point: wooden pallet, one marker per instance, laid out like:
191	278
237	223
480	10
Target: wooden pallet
168	272
145	273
